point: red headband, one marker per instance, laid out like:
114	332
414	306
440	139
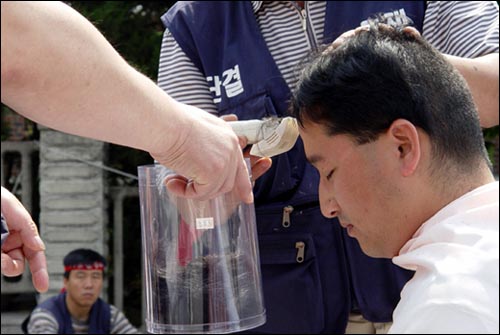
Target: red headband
91	266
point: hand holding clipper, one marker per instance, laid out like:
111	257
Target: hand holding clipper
270	137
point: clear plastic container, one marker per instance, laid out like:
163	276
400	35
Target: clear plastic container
201	260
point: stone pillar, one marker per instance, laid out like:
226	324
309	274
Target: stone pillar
72	200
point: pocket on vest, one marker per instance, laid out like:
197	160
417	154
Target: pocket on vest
291	283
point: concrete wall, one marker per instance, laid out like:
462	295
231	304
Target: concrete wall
72	199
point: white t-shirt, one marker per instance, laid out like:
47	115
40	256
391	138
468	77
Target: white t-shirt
455	256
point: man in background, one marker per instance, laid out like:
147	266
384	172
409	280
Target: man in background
78	308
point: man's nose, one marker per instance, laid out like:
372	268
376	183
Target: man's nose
328	209
88	282
328	204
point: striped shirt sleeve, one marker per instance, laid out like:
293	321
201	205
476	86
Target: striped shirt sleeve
42	322
120	324
462	28
180	78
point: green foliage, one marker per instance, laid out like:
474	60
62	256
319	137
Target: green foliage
134	28
491	142
4	125
27	133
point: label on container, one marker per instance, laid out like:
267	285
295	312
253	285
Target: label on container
204	223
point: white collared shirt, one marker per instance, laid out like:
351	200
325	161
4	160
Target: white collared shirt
455	256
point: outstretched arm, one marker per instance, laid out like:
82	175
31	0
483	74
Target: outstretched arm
481	74
58	70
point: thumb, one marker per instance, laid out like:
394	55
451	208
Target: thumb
12	267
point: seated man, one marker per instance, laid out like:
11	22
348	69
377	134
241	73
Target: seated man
78	309
393	131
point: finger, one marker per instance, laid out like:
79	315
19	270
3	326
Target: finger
38	267
340	40
229	117
243	184
253	159
177	177
41	280
12	242
220	183
176	186
261	167
411	31
385	27
243	142
246	152
227	178
360	29
190	189
19	220
233	117
345	36
195	190
12	263
30	237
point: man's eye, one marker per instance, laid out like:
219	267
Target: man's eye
329	176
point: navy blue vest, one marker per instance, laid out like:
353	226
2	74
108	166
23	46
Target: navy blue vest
316	293
100	315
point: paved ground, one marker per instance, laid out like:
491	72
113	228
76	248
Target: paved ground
15	308
11	322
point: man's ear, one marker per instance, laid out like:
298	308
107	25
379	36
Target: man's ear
406	139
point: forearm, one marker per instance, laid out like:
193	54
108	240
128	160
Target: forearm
481	74
58	70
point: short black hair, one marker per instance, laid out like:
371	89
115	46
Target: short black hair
383	74
82	256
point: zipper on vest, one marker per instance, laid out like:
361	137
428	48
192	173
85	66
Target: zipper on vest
306	24
300	246
303	15
286	216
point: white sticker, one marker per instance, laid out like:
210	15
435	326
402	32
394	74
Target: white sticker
204	223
